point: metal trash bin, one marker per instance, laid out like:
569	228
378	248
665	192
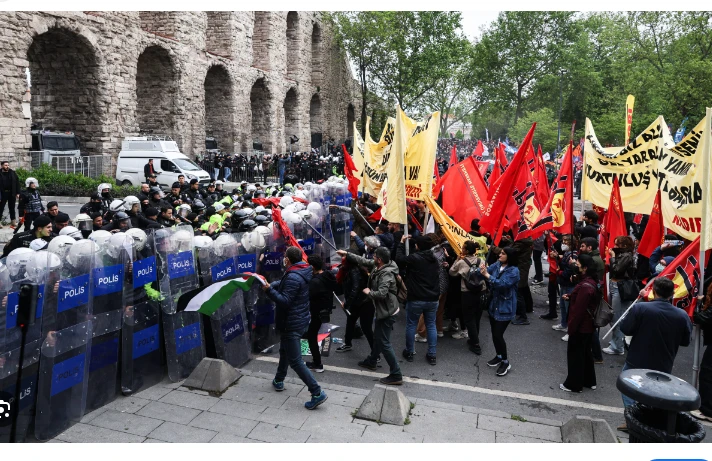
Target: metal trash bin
660	414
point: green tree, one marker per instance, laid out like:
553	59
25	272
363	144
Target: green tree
460	135
545	132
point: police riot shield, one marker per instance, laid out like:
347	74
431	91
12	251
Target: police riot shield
142	345
28	272
226	337
183	332
66	342
107	279
203	246
262	319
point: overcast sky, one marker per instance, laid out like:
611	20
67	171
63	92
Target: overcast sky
472	21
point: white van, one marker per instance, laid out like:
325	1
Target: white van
167	159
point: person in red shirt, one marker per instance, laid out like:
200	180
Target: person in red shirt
582	304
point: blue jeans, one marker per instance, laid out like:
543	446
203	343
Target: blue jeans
216	172
564	305
617	342
413	310
228	173
627	401
290	355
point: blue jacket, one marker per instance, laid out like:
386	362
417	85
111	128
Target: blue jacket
291	295
504	291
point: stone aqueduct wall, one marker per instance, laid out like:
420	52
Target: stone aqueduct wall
107	75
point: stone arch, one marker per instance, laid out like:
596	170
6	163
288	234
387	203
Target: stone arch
156	89
260	40
161	23
218	33
316	55
291	117
66	87
260	104
292	44
219	107
315	118
350	119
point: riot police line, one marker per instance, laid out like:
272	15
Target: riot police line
103	310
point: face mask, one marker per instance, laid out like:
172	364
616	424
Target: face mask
659	268
564	248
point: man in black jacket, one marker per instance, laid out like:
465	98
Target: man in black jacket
321	302
9	190
291	295
149	170
658	329
423	286
588	227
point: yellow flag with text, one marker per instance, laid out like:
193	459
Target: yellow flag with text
706	167
358	153
420	150
454	234
375	156
394	206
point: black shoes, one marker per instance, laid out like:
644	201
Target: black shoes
549	316
495	361
504	367
315	368
520	321
392	380
367	365
431	359
475	348
408	355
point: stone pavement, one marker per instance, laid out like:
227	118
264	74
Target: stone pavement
251	411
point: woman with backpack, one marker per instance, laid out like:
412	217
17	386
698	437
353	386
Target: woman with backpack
583	302
472	286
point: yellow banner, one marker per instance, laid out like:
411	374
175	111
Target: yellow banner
648	162
454	234
420	152
375	155
358	153
705	165
393	193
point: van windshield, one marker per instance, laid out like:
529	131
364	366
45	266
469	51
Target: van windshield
60	143
186	165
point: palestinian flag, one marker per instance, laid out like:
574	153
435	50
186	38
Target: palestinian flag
208	299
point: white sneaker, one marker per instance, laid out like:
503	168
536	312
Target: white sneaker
565	338
610	351
420	339
451	327
559	327
460	335
440	334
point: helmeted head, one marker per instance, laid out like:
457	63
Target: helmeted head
72	232
139	238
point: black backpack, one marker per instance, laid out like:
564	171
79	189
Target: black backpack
473	279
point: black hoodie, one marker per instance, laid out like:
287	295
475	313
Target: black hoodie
421	278
321	287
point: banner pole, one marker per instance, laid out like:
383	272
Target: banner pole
369	225
320	234
613	327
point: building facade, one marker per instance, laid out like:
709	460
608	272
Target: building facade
243	77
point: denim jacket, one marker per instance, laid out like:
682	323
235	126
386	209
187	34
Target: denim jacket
504	291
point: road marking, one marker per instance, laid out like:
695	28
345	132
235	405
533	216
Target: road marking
465	387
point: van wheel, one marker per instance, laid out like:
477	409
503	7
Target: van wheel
126	183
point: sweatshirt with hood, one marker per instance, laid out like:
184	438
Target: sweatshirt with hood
422	278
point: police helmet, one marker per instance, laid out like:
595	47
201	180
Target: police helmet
72	231
139	238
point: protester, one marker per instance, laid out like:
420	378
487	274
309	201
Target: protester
423	293
589	246
622	271
381	291
658	329
440	253
588	226
503	278
291	295
52	210
583	301
9	190
321	290
704	320
353	280
565	277
471	292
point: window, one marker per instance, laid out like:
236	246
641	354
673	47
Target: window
187	165
60	143
168	166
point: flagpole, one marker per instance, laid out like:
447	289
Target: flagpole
320	234
613	327
369	225
696	332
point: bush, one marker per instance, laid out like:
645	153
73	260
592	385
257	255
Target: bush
53	182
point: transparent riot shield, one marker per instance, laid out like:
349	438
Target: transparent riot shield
107	279
66	342
264	333
203	246
142	345
183	332
27	273
229	331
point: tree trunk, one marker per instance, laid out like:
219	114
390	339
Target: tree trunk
518	112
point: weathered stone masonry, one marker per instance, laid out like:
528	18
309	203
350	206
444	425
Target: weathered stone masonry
242	75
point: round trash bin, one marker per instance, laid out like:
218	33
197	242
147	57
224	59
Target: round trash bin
661	402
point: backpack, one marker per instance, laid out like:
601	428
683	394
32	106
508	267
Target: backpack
402	290
603	314
473	279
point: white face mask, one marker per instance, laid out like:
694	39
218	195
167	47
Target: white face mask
659	268
564	248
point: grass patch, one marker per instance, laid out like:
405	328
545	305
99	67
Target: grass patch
412	405
407	421
519	418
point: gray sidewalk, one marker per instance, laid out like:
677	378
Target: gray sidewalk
251	411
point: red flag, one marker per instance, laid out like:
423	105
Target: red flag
614	223
453	157
262	201
553	262
464	192
684	271
375	216
654	232
299	199
509	195
479	149
558	212
542	179
482	166
283	229
349	169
